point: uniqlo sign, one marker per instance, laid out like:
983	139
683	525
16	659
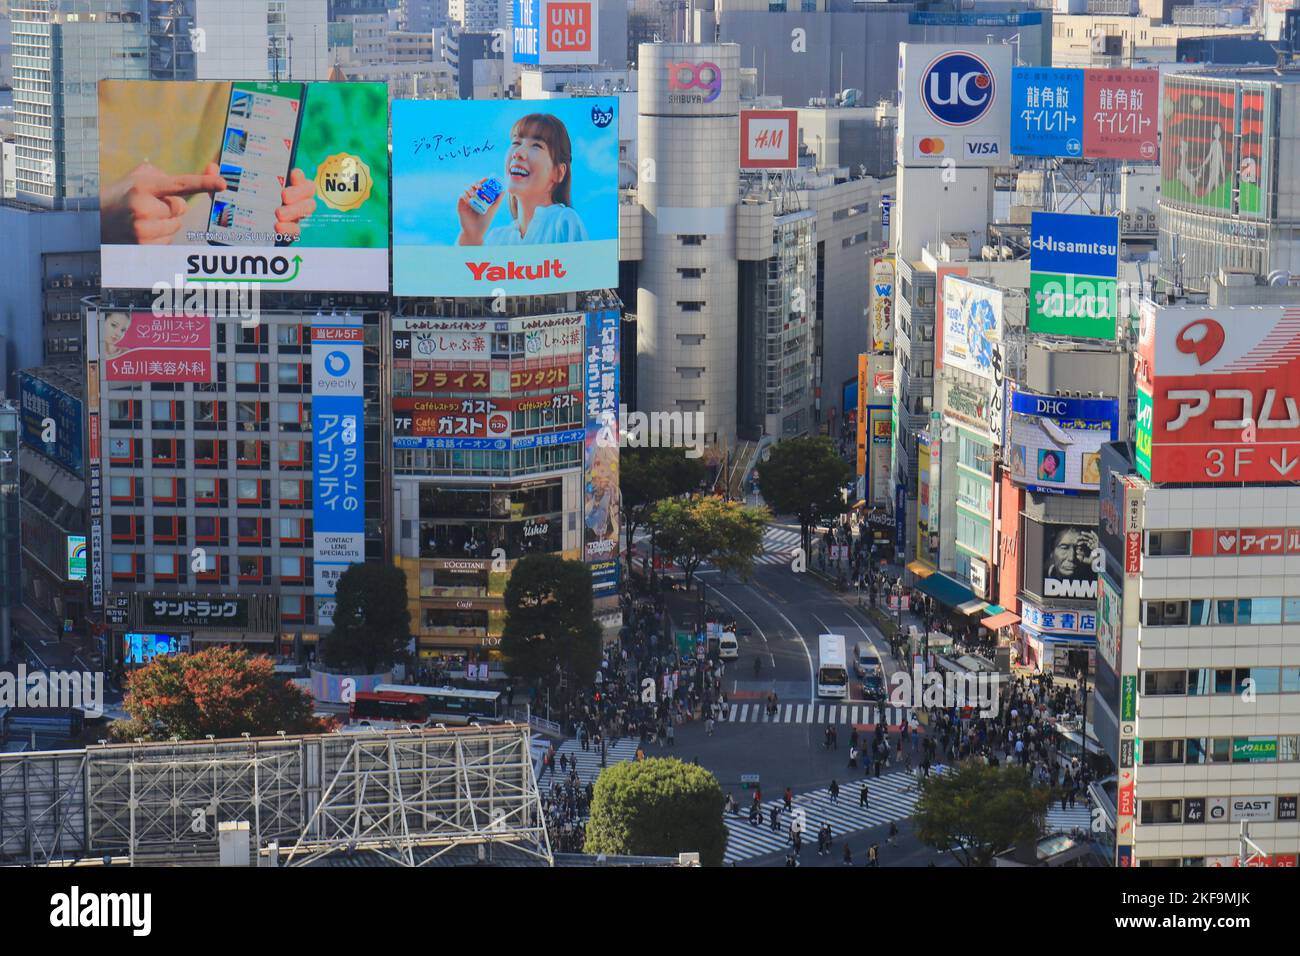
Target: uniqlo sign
551	32
1224	387
769	139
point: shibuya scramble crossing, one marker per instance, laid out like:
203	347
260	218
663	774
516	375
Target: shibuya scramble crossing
578	435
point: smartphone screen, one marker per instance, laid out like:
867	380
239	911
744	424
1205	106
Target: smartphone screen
258	147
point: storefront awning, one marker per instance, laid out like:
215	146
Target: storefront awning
996	621
946	591
973	606
920	569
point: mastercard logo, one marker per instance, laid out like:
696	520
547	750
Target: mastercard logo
930	146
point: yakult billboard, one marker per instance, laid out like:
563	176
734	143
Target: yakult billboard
515	197
1218	399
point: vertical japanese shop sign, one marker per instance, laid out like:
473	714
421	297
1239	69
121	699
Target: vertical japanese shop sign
338	463
96	483
602	502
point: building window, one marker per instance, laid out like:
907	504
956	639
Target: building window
252	568
1161	811
1169	543
168	568
293	569
1164	683
128	567
691	240
1165	613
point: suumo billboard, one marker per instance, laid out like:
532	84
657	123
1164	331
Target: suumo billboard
514	197
603	507
338	461
881	303
1217	395
550	32
955	104
1055	442
1046	111
1074	266
143	347
769	139
278	183
1059	560
1217	145
40	402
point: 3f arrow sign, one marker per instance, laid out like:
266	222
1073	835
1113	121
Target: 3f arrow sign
1286	464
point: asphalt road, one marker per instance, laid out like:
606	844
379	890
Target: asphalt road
787	611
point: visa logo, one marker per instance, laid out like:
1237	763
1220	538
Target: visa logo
988	147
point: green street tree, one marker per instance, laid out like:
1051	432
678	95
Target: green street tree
217	691
649	475
804	477
694	530
978	812
372	622
550	621
657	807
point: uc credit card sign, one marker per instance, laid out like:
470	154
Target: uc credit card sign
515	197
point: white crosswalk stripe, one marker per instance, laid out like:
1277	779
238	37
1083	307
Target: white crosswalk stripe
853	714
890	798
588	761
778	547
1079	816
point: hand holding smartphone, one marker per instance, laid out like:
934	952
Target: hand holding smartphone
265	197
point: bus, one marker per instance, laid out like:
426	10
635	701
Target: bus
452	705
385	709
832	669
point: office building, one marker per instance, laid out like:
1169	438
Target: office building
476	16
469	507
805	51
52	489
210	516
51	261
1228	193
10	541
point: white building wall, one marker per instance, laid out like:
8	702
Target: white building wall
691	189
1223	646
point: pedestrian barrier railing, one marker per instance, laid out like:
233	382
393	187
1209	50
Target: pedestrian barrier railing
542	725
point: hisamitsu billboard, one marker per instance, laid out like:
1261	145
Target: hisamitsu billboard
1075	245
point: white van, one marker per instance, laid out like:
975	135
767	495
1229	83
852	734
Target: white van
728	646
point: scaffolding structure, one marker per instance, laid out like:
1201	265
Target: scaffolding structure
409	796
